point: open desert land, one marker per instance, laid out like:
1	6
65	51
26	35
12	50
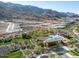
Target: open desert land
3	27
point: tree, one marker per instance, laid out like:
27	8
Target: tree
25	36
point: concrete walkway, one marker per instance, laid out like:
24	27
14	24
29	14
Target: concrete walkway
67	54
66	48
42	55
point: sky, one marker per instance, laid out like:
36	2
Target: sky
61	6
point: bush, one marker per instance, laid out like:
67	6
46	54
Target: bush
30	46
76	53
77	28
7	40
25	36
39	50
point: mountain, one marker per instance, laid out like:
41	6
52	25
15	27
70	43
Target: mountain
17	11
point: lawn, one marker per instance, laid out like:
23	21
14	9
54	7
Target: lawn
18	40
74	53
3	56
5	43
17	54
72	39
13	41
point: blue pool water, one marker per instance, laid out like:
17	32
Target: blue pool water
55	37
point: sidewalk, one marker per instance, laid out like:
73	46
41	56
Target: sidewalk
67	54
66	48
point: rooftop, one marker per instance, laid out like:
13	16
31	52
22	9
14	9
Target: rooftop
55	37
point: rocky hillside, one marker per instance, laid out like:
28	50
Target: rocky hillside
17	11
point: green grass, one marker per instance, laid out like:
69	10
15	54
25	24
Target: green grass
72	41
34	34
56	49
52	56
74	53
69	28
77	28
3	56
5	43
17	54
18	40
14	41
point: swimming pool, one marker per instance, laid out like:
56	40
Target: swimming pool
55	37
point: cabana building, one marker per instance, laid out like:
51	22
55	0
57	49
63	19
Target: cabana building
55	39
